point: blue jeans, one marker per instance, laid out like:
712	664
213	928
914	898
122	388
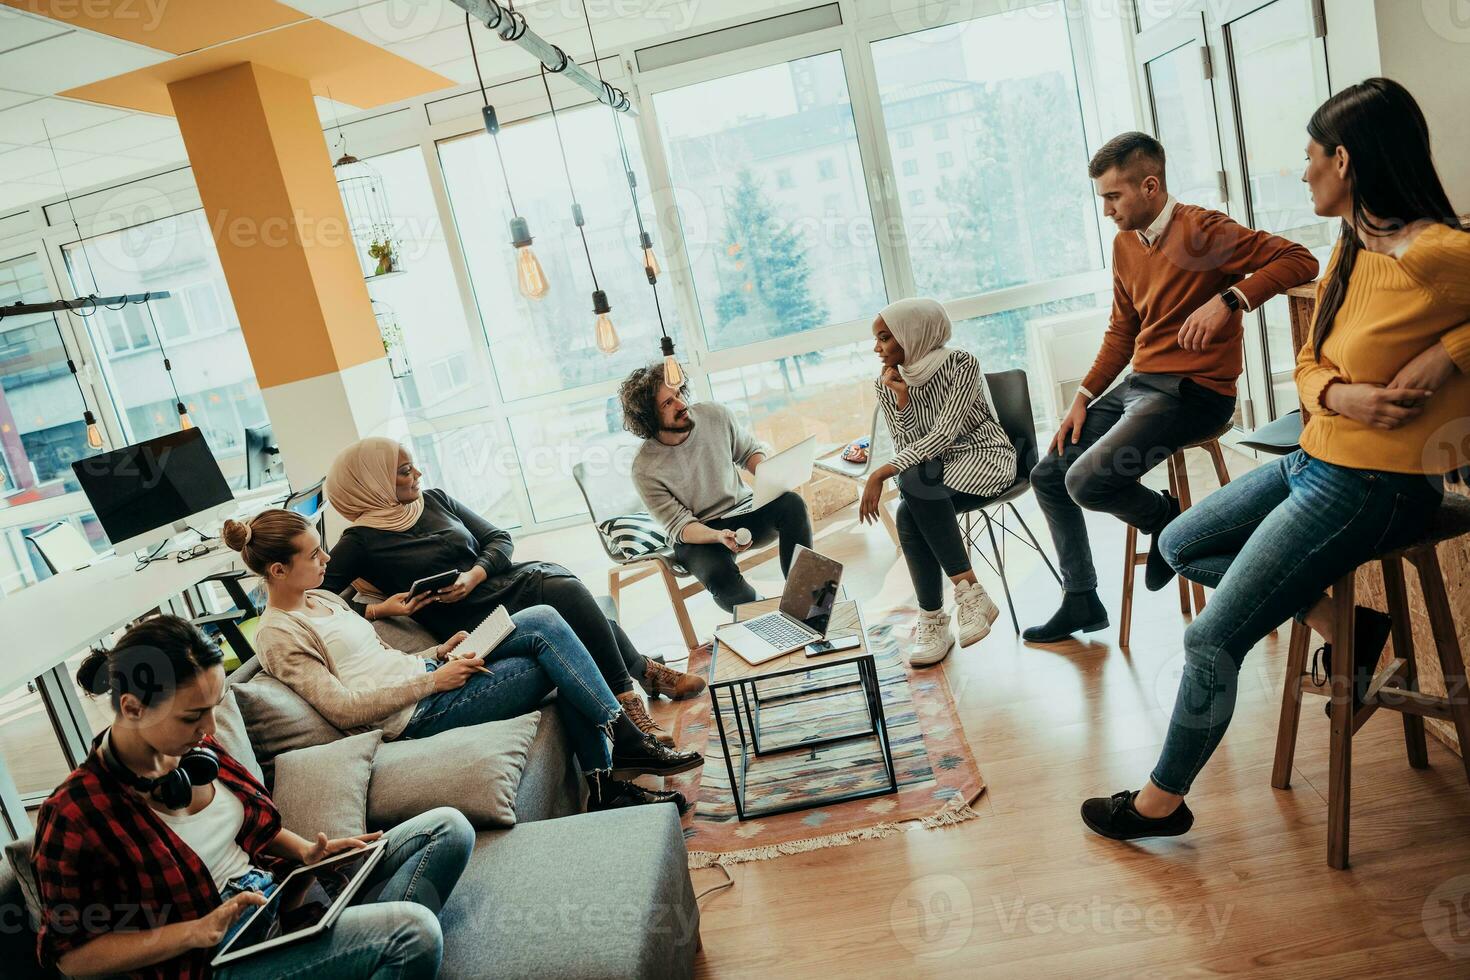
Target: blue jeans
1270	544
542	654
392	929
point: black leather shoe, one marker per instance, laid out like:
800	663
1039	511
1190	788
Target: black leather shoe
647	757
1114	817
614	794
1158	573
1371	630
1080	612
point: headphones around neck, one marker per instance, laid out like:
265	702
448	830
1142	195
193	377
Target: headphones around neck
175	788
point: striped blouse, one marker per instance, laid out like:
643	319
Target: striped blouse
950	417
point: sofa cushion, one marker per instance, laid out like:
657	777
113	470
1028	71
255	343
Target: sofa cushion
324	788
18	857
535	900
231	734
634	535
551	784
487	760
279	720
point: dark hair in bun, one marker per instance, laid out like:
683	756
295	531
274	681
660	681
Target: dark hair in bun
150	661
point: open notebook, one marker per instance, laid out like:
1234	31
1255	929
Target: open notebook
487	636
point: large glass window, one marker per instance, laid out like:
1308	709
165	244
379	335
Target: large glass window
211	364
772	257
549	444
1278	66
548	345
826	393
41	427
996	99
1184	117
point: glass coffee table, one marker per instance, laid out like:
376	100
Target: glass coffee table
737	697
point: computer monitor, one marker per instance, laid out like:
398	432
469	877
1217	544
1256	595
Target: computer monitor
262	456
146	493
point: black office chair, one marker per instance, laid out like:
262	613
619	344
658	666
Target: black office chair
1011	398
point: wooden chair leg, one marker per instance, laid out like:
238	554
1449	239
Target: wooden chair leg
886	516
1217	456
1446	644
681	611
1403	649
1191	590
1291	705
1130	552
615	588
1340	769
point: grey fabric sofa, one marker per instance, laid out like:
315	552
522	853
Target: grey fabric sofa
562	894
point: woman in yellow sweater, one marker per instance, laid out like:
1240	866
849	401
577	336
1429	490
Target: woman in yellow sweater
1385	377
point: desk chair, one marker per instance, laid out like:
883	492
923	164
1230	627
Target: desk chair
1010	397
1395	687
880	451
616	499
62	547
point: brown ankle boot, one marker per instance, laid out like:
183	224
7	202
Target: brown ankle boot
672	684
639	716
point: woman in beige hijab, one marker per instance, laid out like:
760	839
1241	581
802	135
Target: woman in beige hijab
401	532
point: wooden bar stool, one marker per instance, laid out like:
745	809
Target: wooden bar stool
1395	687
1132	557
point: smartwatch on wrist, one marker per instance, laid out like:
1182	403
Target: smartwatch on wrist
1231	299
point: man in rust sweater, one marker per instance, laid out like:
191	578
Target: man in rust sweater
1182	277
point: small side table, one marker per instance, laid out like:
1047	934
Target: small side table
732	678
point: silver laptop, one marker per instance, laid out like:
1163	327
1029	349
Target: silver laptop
803	617
787	470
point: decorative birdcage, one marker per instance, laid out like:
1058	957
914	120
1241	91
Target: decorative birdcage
368	215
392	335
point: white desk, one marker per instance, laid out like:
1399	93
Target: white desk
50	621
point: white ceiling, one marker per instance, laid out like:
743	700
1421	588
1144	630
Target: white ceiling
99	145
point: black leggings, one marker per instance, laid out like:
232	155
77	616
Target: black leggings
715	565
615	656
929	530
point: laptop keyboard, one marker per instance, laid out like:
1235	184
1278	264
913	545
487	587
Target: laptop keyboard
779	631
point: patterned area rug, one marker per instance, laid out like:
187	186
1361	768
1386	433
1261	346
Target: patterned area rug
937	775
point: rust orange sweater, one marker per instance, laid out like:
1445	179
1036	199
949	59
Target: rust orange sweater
1156	287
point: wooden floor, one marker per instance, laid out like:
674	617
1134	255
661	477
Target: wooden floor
1026	890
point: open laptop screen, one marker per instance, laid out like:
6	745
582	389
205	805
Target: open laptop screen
811	589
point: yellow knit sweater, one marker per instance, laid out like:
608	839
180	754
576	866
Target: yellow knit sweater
1394	310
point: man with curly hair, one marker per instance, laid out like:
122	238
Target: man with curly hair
688	471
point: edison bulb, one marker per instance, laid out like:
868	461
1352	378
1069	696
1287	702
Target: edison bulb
649	262
94	434
607	335
184	421
673	374
529	275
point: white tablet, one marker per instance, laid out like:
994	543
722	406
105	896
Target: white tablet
306	904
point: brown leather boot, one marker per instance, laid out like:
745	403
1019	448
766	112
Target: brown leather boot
639	716
672	684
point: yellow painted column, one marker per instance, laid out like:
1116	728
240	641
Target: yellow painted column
265	177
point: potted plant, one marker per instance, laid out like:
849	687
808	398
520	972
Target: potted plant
382	250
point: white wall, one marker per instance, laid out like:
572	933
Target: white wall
1426	46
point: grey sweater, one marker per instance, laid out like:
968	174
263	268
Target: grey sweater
698	479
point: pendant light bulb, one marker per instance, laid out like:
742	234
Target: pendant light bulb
185	423
94	434
607	334
673	374
650	262
529	275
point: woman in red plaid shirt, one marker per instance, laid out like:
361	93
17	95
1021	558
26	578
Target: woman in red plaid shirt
143	878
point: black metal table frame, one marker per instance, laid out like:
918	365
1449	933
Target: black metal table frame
748	693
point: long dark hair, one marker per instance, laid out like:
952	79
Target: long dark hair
1390	174
150	661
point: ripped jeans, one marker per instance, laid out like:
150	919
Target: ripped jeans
1270	544
542	654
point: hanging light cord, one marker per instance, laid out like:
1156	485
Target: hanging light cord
167	367
485	97
627	161
571	188
70	364
66	194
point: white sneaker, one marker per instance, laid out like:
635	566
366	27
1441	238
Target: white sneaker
932	639
974	611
